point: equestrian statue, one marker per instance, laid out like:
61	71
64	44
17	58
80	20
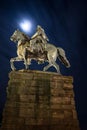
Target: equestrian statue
37	48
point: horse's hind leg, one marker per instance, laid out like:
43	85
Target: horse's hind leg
47	67
52	63
12	62
56	67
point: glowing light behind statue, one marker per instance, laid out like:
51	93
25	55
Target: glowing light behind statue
26	26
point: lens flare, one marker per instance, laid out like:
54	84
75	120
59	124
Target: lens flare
26	26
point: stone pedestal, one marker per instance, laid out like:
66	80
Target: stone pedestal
39	100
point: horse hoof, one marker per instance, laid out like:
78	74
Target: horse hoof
13	69
44	70
59	73
26	68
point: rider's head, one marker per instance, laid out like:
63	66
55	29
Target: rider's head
39	27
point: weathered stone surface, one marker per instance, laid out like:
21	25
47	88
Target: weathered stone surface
39	100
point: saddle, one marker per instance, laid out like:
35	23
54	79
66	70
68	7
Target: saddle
36	54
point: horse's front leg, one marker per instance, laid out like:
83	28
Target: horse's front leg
12	60
26	59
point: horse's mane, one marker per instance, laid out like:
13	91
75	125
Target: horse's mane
27	38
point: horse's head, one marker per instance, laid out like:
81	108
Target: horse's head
16	36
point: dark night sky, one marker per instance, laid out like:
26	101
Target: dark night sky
65	23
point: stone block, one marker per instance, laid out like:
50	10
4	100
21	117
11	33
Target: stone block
39	100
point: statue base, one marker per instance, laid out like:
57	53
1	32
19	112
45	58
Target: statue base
38	100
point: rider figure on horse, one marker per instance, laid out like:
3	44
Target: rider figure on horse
38	40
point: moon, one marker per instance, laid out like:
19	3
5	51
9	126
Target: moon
26	25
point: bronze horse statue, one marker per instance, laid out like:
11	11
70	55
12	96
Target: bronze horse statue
26	53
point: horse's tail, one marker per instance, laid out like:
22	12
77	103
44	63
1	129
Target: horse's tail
62	57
